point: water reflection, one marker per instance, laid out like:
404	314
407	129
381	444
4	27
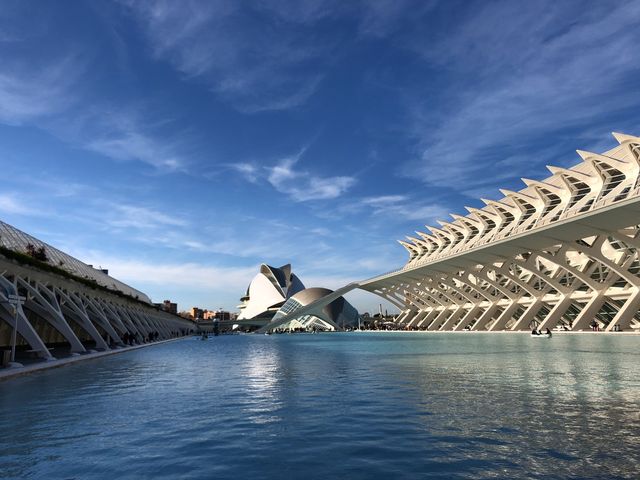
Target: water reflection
343	406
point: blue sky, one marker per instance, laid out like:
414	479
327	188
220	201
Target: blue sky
181	144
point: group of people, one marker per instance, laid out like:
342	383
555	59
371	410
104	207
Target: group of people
136	338
538	332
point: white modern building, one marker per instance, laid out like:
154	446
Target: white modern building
61	301
276	294
336	315
268	291
561	252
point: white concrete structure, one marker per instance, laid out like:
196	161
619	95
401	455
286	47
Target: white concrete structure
335	315
276	298
70	309
268	291
563	251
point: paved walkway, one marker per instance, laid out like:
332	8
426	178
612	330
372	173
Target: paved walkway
6	373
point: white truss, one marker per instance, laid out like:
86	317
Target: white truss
563	251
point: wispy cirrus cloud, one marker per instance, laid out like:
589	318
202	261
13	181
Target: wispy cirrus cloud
521	81
130	135
397	208
251	55
49	85
138	217
30	92
299	184
13	204
303	186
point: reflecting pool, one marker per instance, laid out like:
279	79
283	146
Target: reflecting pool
356	406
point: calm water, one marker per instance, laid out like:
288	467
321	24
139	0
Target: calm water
356	406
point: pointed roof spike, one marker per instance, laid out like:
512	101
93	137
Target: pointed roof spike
623	137
553	169
414	241
486	202
584	154
528	182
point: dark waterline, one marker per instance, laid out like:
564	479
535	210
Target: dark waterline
357	406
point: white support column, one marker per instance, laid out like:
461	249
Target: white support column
527	316
554	315
25	329
626	313
468	318
49	310
451	321
485	317
588	313
439	318
100	308
96	315
77	311
504	317
404	314
421	315
426	321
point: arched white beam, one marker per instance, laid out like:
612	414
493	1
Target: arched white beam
24	327
76	311
49	310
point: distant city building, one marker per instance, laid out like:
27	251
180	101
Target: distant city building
168	306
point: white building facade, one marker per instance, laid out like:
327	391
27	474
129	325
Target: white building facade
562	252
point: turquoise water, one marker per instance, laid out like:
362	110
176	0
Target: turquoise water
356	406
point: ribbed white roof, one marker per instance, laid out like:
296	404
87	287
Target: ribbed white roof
17	240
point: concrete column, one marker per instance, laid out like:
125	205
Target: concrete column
527	316
426	321
418	317
504	317
626	313
49	310
26	330
80	315
552	318
588	313
453	318
485	317
468	317
439	318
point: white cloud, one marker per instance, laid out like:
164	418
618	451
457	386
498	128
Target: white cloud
134	145
11	204
398	207
249	171
302	185
131	216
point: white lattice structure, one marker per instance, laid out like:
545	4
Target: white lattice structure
563	251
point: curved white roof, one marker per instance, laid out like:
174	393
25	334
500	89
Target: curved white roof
17	240
268	290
